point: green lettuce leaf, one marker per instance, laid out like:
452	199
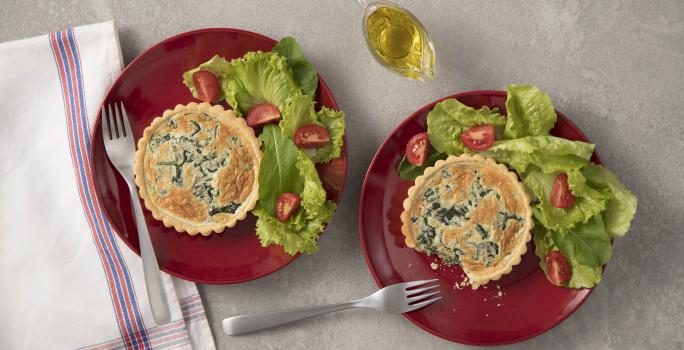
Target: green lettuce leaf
301	232
621	207
583	276
548	153
277	172
588	202
450	117
530	112
257	77
293	240
588	243
334	122
408	171
300	111
313	194
284	168
304	72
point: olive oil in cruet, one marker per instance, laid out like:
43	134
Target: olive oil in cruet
398	40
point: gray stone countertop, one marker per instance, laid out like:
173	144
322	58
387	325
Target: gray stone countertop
616	68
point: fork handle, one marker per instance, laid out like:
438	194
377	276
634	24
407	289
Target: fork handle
243	324
156	293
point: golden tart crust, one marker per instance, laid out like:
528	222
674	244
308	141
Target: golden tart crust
470	211
197	168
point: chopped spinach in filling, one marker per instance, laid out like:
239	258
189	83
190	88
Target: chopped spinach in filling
230	208
502	219
483	232
427	235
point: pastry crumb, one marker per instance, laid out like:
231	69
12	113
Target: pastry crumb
486	315
498	286
434	266
499	294
462	284
409	265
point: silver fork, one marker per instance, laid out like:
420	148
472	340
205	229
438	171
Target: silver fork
397	298
120	147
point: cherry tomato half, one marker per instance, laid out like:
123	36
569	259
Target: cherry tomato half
478	138
418	148
262	114
311	136
561	197
557	268
286	205
207	86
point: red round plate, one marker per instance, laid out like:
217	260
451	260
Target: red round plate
519	306
151	84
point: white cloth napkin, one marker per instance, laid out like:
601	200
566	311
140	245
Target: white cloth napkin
68	281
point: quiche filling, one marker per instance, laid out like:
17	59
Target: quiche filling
469	211
199	168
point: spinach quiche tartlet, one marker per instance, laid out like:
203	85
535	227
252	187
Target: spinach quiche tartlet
197	168
470	211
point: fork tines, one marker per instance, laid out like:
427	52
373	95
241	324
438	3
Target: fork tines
417	297
115	122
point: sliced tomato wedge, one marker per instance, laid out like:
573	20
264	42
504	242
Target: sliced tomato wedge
311	136
418	148
561	197
286	205
206	85
262	114
478	138
557	268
